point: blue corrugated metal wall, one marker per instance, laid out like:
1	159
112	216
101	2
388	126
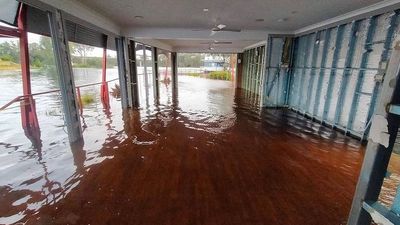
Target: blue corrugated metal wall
333	73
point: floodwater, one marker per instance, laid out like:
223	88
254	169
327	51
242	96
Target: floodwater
206	155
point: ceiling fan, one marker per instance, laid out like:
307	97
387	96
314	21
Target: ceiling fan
211	44
219	28
222	27
215	42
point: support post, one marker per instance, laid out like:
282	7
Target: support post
133	79
336	53
105	98
29	118
239	70
66	78
377	156
155	74
233	70
122	72
263	70
174	59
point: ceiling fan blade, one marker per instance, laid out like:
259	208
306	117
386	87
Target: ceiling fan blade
231	30
216	43
222	42
213	32
221	26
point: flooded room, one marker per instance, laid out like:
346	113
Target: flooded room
211	112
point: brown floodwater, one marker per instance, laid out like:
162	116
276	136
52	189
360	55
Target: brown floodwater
205	156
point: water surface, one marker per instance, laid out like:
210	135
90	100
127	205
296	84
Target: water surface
206	155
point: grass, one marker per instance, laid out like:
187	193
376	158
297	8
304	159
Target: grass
7	65
194	74
87	99
220	75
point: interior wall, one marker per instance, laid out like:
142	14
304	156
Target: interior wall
336	75
253	69
277	73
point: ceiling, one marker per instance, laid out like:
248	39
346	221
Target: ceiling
234	13
272	15
205	45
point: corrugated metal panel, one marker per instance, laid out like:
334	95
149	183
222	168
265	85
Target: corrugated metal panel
8	11
37	22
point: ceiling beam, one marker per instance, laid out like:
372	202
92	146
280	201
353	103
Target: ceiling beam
192	34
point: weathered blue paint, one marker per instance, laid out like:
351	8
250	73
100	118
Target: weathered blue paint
338	46
394	23
347	72
313	65
361	74
322	71
307	44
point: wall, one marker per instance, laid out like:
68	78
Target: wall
334	70
277	77
253	69
334	74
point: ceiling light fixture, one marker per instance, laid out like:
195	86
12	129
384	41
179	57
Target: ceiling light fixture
282	20
205	10
139	17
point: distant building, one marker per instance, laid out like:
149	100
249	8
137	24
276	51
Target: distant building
213	62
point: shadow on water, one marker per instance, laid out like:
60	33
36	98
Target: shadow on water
207	155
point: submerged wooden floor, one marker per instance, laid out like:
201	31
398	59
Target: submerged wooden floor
217	161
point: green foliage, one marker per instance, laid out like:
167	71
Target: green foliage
220	75
87	99
8	65
190	60
194	74
41	55
7	58
9	51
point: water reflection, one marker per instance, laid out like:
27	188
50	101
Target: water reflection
206	155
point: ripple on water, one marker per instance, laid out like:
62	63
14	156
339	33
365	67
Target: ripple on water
206	116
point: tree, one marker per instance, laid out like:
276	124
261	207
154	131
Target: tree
9	51
41	54
81	50
190	60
